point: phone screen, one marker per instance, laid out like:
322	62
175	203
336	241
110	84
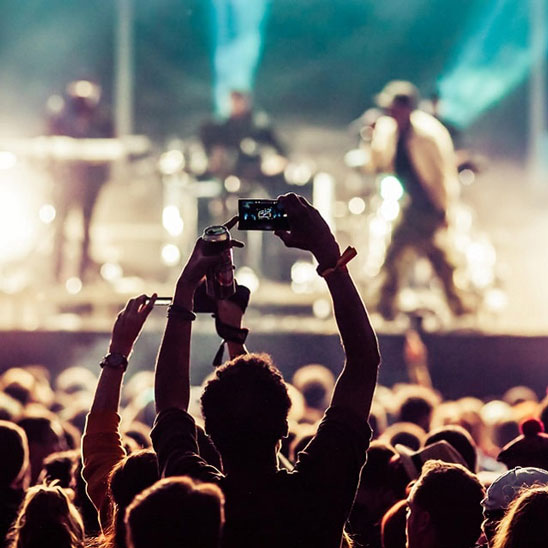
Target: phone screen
261	215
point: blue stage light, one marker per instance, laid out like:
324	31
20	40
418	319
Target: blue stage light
493	58
238	27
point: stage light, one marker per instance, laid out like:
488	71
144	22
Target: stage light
356	158
321	308
232	183
171	162
238	40
298	174
47	214
73	286
172	221
246	276
390	210
467	177
249	146
494	57
356	205
379	227
303	272
7	160
391	188
111	271
18	219
171	254
496	300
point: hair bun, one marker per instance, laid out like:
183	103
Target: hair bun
531	427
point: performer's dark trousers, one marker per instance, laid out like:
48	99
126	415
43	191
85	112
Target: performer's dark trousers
416	231
77	187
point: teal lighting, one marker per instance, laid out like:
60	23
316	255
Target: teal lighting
495	56
238	38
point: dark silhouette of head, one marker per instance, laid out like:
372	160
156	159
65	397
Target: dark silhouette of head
14	457
444	507
176	512
525	523
47	519
245	407
45	436
460	439
130	476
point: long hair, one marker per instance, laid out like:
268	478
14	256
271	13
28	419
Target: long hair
525	522
128	478
47	519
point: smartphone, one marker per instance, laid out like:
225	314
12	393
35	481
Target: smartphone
261	215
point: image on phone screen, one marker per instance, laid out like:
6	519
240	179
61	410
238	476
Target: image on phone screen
261	215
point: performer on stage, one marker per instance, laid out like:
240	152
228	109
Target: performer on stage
418	149
234	146
78	183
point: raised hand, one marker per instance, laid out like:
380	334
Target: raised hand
199	261
308	230
129	324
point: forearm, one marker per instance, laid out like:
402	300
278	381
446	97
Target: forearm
356	384
172	376
107	393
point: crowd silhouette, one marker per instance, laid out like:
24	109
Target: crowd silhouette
319	460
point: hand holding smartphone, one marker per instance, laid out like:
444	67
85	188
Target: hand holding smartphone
261	215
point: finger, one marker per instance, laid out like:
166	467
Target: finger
130	305
236	243
150	305
284	236
143	302
230	224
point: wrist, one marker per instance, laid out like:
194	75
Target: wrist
184	294
327	256
118	347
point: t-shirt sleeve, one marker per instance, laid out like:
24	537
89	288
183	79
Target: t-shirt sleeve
174	439
333	459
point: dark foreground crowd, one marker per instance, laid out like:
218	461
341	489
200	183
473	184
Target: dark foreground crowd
251	460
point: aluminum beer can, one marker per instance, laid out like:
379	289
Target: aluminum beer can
220	278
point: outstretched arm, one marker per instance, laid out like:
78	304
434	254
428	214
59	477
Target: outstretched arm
356	383
172	377
102	444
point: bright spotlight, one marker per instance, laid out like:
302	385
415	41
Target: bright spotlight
111	272
232	183
390	210
298	174
467	177
171	162
73	286
246	276
7	160
302	272
171	254
391	188
172	221
321	308
18	220
356	205
47	214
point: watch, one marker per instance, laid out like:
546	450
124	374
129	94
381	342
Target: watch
114	360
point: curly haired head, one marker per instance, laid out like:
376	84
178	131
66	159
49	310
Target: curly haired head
246	403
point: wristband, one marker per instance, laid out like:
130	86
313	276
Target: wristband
114	360
343	260
180	313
